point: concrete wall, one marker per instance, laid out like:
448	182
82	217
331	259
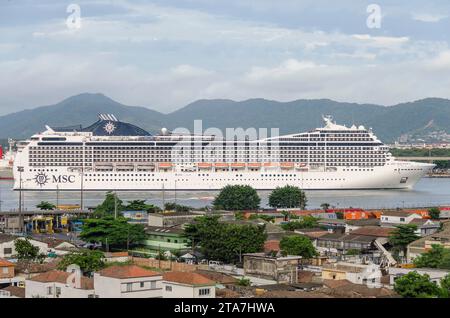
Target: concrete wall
39	290
43	248
107	287
177	290
167	265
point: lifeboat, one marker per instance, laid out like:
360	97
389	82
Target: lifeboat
238	165
254	165
287	165
300	166
165	165
221	165
204	165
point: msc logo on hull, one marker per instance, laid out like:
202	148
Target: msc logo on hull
41	179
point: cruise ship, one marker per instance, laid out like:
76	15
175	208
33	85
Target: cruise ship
114	155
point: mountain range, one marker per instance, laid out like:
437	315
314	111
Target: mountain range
419	118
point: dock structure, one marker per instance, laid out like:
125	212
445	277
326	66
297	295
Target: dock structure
39	221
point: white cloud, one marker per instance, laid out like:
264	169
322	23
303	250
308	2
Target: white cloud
426	17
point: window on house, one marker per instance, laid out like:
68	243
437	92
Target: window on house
92	296
204	291
402	219
142	284
153	285
7	250
5	270
49	290
129	287
58	291
168	288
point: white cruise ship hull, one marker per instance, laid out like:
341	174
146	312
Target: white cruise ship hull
393	175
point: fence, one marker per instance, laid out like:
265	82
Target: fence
167	265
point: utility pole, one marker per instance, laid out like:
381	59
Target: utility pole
163	198
20	169
115	204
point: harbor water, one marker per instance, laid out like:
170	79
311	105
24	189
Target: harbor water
427	192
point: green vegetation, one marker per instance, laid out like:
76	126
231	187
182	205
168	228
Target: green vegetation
223	241
288	197
352	252
445	286
44	205
117	233
237	197
420	152
267	218
414	285
27	252
244	282
140	205
297	245
437	257
108	206
239	216
401	237
88	260
325	206
306	222
171	206
434	213
340	215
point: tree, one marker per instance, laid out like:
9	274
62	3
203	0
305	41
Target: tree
297	245
402	236
114	232
108	206
306	222
414	285
433	258
434	213
27	252
445	286
287	197
237	197
223	241
325	206
171	206
44	205
88	260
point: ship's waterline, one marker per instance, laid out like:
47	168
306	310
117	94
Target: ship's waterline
427	192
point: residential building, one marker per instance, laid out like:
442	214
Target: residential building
163	239
12	292
366	274
341	242
425	243
187	285
435	274
7	247
127	281
280	269
169	219
397	217
59	284
425	226
6	269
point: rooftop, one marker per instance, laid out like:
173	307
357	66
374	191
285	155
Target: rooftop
219	278
5	263
56	276
177	229
375	231
15	291
127	271
188	278
7	237
398	213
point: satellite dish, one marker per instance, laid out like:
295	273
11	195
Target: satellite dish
164	131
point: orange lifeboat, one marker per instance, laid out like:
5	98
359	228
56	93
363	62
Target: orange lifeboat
238	165
287	165
254	165
165	165
204	165
221	165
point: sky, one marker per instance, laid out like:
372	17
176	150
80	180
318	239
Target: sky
164	54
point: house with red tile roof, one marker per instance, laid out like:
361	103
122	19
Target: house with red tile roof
59	284
6	269
187	285
127	281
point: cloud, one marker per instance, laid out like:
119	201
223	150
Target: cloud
430	18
